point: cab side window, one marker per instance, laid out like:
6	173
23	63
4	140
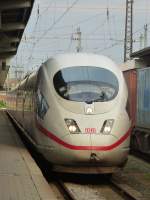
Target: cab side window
42	105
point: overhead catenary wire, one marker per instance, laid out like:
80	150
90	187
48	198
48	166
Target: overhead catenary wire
83	38
34	29
82	21
52	26
43	12
109	47
57	20
70	43
97	27
75	24
87	20
98	8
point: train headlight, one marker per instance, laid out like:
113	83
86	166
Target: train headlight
72	126
107	126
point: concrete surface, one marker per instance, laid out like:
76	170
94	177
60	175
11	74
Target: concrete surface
20	177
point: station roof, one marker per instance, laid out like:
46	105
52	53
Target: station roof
14	15
143	54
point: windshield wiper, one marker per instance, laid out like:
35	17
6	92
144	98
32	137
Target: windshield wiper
89	102
102	97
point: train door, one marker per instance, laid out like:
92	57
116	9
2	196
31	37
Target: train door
25	97
28	111
19	103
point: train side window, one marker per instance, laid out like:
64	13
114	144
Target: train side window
18	100
42	105
26	105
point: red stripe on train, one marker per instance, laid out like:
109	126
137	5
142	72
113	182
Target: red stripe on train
74	147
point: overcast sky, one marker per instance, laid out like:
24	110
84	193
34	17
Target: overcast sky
53	24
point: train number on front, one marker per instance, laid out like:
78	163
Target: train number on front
90	130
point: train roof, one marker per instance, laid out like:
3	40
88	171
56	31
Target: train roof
82	59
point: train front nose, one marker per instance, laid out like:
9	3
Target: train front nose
78	142
77	149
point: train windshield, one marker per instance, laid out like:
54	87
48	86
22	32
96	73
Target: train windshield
86	84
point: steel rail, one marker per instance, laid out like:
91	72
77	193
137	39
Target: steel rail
67	194
126	190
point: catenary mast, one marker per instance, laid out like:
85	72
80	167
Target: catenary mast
128	43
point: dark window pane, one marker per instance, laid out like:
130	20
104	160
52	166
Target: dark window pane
42	105
86	84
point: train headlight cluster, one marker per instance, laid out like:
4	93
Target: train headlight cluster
72	126
107	126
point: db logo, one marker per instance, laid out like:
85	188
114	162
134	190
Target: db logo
90	130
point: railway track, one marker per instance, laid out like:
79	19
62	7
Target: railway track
126	190
67	194
107	191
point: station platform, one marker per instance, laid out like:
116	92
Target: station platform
20	177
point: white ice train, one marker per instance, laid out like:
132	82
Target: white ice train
74	111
